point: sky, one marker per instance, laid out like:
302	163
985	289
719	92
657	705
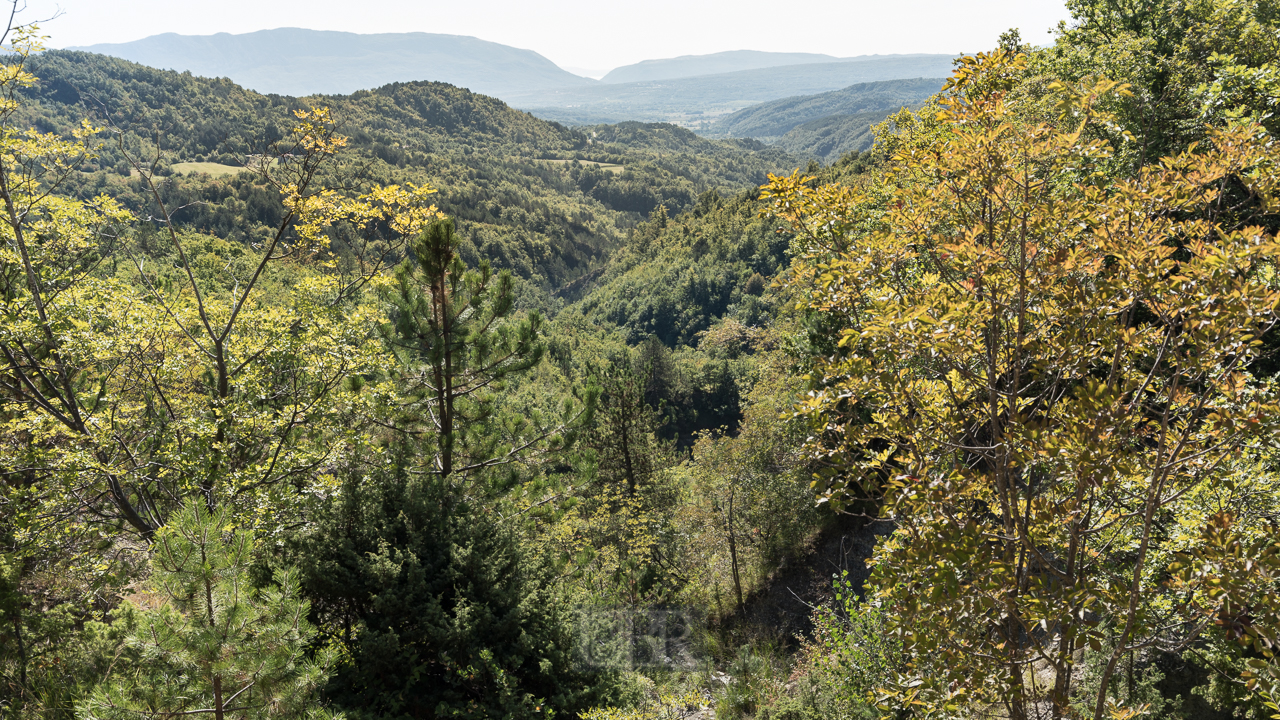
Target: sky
584	34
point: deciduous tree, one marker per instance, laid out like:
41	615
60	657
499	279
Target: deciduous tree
1040	368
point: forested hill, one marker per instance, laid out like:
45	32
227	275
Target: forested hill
834	136
664	138
542	199
778	117
826	126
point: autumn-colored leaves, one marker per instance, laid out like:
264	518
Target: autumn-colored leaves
1038	361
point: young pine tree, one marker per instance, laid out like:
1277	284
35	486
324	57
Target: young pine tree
625	511
623	436
216	646
457	341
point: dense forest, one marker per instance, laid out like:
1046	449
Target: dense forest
405	404
826	126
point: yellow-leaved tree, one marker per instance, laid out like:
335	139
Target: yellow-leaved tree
123	397
207	374
1042	375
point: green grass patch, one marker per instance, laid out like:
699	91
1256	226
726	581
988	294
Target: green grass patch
608	167
214	169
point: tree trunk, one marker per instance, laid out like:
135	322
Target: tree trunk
733	557
22	651
627	462
217	697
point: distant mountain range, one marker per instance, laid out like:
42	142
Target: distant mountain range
292	61
696	91
727	62
713	64
699	102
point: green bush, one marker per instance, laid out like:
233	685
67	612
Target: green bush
848	657
439	611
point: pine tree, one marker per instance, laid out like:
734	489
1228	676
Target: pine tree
626	509
215	645
623	434
457	341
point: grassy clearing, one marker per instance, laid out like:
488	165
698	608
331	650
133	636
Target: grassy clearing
608	167
214	169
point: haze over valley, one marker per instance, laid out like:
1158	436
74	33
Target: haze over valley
693	91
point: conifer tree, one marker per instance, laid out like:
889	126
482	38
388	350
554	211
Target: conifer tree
623	435
457	340
215	645
440	611
625	511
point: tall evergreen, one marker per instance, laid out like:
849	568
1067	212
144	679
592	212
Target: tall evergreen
457	340
623	436
629	502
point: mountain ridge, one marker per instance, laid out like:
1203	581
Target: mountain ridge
700	101
296	62
776	118
726	62
299	62
709	64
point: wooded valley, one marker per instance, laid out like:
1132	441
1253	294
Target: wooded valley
409	404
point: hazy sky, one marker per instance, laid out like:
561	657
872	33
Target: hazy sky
585	34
